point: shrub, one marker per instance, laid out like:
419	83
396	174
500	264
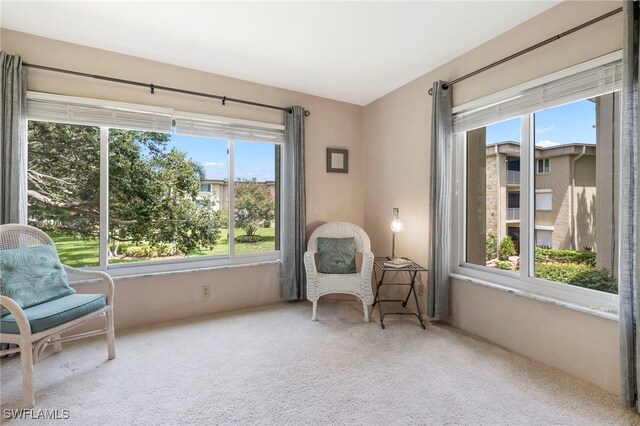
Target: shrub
248	238
580	275
560	272
492	247
266	223
507	248
138	251
503	264
597	279
565	256
146	250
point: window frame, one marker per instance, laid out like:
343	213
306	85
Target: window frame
543	192
151	267
543	161
579	298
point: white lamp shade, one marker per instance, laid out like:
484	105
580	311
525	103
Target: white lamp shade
396	226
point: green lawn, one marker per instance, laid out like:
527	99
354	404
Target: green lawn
79	252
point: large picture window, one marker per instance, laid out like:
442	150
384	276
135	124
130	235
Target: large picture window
117	197
64	188
538	210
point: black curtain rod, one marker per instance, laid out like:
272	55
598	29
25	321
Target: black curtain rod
530	48
152	87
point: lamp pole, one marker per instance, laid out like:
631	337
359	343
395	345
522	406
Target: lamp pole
396	226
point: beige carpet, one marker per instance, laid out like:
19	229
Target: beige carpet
272	365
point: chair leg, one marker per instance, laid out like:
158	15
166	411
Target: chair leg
26	359
366	311
57	346
315	311
111	338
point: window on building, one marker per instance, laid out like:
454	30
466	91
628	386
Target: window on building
544	238
64	188
581	138
565	246
257	171
543	165
493	197
544	201
111	195
156	210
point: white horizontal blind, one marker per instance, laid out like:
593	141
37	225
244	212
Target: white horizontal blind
212	128
586	84
93	115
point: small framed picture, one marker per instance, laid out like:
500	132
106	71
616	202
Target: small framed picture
337	160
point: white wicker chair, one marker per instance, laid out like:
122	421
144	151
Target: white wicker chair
358	284
32	345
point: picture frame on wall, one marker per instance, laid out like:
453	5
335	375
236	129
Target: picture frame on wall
337	160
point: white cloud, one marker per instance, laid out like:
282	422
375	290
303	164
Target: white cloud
540	130
213	164
546	144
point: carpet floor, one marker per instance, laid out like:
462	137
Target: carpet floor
273	365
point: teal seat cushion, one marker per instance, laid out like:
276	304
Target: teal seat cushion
32	275
55	312
337	255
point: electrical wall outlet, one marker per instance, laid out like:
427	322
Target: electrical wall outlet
205	291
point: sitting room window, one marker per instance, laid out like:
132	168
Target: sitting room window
123	189
524	224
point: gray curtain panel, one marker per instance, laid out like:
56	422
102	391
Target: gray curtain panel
628	268
294	216
440	203
13	140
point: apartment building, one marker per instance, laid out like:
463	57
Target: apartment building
565	194
217	190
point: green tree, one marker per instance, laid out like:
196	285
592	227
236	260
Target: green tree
507	248
253	205
152	189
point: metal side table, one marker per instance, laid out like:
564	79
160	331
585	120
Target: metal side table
412	269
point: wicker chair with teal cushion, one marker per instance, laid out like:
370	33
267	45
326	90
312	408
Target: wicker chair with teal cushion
37	304
336	244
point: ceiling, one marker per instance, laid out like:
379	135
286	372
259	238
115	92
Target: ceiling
349	51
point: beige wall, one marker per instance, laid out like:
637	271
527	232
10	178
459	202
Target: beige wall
396	159
333	196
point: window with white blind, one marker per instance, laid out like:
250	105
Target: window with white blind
136	189
551	144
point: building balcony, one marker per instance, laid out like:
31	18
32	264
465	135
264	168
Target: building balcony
513	177
513	214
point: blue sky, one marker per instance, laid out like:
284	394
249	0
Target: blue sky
252	159
571	123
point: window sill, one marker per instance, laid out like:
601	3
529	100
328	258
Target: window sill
545	299
134	275
146	271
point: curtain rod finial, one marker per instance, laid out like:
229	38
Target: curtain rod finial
307	113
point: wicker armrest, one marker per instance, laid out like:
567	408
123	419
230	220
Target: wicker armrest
310	264
21	318
85	275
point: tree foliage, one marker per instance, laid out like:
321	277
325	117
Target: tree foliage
507	248
152	188
253	205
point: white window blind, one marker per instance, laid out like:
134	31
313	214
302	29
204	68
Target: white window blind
109	114
586	84
220	128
